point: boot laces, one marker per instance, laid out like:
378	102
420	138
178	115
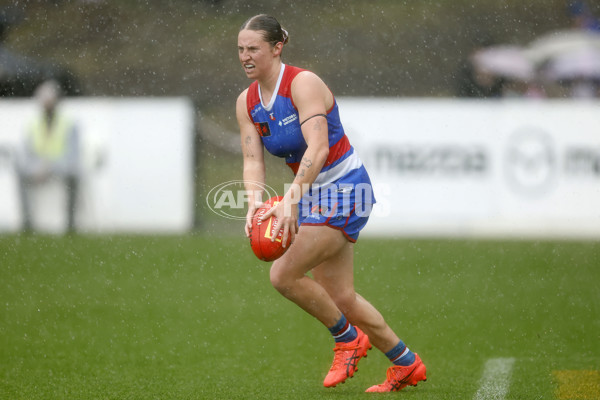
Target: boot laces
340	357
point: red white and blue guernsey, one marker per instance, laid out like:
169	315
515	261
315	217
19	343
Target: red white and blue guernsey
341	196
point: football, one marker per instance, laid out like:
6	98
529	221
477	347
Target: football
261	233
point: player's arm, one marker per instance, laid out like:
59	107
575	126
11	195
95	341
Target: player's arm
310	97
253	156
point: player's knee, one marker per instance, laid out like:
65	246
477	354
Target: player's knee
279	278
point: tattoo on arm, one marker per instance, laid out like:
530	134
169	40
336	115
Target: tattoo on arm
317	126
306	162
247	141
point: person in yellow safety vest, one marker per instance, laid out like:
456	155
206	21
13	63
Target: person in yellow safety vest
51	150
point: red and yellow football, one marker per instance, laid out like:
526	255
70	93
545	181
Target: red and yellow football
262	232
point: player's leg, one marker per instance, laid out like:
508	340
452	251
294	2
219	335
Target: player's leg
314	244
337	277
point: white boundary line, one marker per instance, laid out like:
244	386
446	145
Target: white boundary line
495	379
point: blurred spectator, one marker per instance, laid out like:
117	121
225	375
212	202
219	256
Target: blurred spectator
475	83
582	16
507	65
50	151
582	88
472	82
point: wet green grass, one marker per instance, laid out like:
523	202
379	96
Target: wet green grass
194	317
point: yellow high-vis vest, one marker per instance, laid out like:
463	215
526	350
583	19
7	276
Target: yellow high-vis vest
50	142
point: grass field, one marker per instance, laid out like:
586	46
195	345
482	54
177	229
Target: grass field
194	317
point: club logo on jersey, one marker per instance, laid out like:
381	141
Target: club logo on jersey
263	128
272	117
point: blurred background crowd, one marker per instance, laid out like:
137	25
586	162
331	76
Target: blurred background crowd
567	59
488	48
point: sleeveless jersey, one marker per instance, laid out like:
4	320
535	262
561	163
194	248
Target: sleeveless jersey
341	196
278	125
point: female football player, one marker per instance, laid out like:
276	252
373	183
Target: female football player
293	114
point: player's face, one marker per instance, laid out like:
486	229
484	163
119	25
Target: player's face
256	55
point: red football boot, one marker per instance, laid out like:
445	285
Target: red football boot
398	377
346	358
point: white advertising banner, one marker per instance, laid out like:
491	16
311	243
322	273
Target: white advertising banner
506	168
136	166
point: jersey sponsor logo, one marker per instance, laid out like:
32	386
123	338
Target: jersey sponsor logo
289	119
255	111
263	129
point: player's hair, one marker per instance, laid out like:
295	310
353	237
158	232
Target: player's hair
273	32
